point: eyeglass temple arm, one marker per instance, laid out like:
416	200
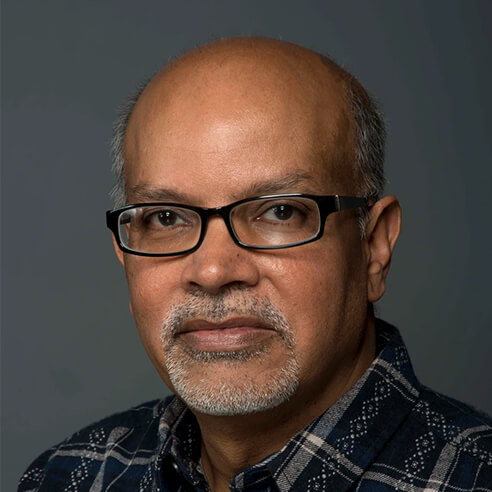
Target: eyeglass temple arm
347	202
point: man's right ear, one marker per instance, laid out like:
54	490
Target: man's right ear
118	252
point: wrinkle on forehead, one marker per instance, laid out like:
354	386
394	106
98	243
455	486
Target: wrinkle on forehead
298	180
247	78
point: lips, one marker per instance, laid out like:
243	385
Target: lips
231	323
230	335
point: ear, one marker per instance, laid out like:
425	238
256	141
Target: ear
382	231
119	253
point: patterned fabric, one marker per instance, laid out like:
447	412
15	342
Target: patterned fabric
387	433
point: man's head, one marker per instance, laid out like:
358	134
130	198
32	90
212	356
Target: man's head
235	330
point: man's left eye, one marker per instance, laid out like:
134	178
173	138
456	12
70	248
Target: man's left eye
280	212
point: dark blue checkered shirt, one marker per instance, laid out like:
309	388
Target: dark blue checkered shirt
387	433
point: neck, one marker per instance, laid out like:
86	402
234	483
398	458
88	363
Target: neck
232	443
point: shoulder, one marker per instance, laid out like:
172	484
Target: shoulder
435	423
122	435
455	424
110	429
441	444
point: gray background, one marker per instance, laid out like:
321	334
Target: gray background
70	353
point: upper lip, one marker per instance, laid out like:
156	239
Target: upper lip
238	322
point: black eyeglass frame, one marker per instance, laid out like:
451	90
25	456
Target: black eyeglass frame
327	204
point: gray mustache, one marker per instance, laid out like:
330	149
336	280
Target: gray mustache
219	308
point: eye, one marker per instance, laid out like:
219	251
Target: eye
163	218
168	218
281	212
292	213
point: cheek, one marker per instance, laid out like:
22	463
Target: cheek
145	291
151	294
151	290
322	292
313	277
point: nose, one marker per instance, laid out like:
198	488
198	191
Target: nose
219	262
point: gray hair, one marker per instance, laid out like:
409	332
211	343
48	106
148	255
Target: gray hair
370	143
118	192
369	149
370	135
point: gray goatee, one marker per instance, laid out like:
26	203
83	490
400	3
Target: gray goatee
236	392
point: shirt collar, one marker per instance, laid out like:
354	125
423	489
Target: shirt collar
336	446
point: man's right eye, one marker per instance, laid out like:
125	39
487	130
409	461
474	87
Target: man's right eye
163	218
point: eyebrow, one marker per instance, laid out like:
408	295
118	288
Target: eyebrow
286	184
149	193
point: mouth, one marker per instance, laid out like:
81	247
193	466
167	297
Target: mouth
233	334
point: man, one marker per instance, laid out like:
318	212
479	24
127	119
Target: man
255	242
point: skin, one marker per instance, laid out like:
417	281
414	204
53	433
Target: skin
241	118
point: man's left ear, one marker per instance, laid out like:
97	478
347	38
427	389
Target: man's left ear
382	231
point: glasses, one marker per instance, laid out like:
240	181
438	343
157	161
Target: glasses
263	222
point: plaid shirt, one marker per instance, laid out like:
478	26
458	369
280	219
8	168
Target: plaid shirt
387	433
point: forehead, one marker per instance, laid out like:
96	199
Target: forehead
238	119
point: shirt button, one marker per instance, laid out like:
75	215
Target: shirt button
175	466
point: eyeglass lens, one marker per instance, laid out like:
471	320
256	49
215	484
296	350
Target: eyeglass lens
275	221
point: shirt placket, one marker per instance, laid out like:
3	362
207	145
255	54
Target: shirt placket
256	479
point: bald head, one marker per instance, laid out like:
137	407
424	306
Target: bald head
268	86
259	64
